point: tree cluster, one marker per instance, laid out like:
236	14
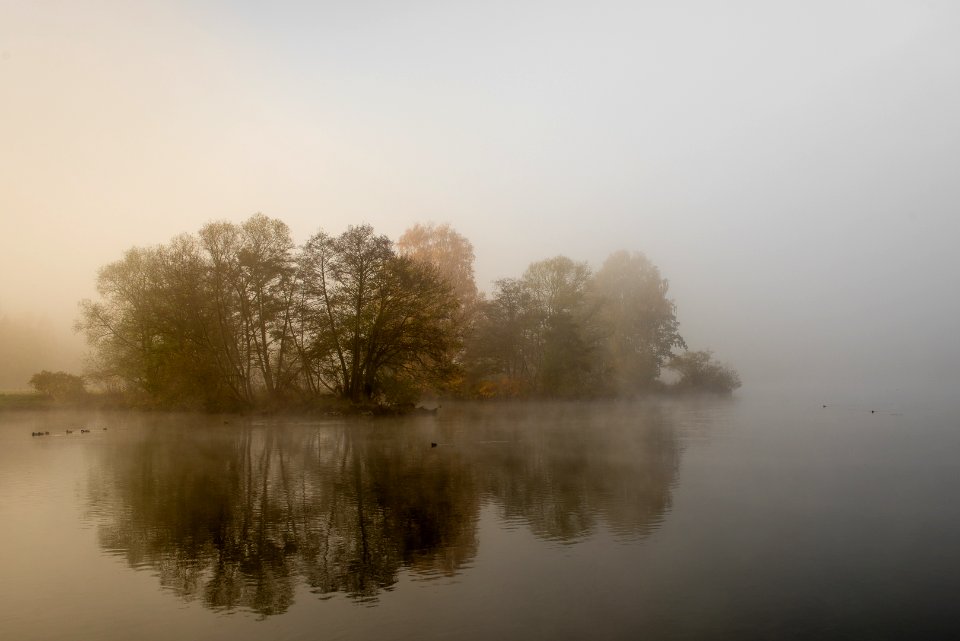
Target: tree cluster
561	329
700	373
238	316
60	386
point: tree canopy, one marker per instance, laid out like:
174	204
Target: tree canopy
562	330
238	315
376	323
60	386
699	372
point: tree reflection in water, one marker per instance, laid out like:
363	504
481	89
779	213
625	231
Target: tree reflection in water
238	516
566	466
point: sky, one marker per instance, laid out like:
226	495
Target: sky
792	168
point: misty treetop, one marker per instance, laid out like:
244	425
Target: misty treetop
448	251
59	386
369	322
560	329
238	316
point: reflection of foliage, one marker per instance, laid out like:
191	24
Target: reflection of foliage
238	516
567	469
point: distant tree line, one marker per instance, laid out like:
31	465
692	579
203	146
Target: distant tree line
238	316
29	342
59	386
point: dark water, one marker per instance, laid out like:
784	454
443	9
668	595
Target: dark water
745	519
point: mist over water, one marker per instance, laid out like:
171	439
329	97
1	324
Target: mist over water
29	344
695	519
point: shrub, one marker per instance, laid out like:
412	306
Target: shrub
700	373
59	386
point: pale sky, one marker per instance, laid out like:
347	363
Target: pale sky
793	168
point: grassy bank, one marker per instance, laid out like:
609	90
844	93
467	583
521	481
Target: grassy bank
325	406
20	400
24	401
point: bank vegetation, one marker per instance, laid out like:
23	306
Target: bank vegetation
237	316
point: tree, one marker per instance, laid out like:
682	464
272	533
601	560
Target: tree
266	291
252	288
533	336
561	342
638	322
122	326
499	350
228	330
187	371
60	386
150	327
699	372
377	323
200	320
557	285
448	251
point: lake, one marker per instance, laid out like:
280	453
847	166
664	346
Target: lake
755	517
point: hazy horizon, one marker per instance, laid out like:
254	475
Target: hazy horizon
790	169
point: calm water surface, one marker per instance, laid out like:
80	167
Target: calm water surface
746	519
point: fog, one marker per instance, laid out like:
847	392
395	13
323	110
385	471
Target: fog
790	169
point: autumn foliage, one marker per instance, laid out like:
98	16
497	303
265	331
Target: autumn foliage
238	316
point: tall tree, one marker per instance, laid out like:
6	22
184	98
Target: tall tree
228	334
379	322
448	251
451	255
638	321
122	327
202	319
150	328
533	335
266	269
562	344
250	283
182	317
501	349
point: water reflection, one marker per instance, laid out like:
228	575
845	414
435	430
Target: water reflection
567	467
238	516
